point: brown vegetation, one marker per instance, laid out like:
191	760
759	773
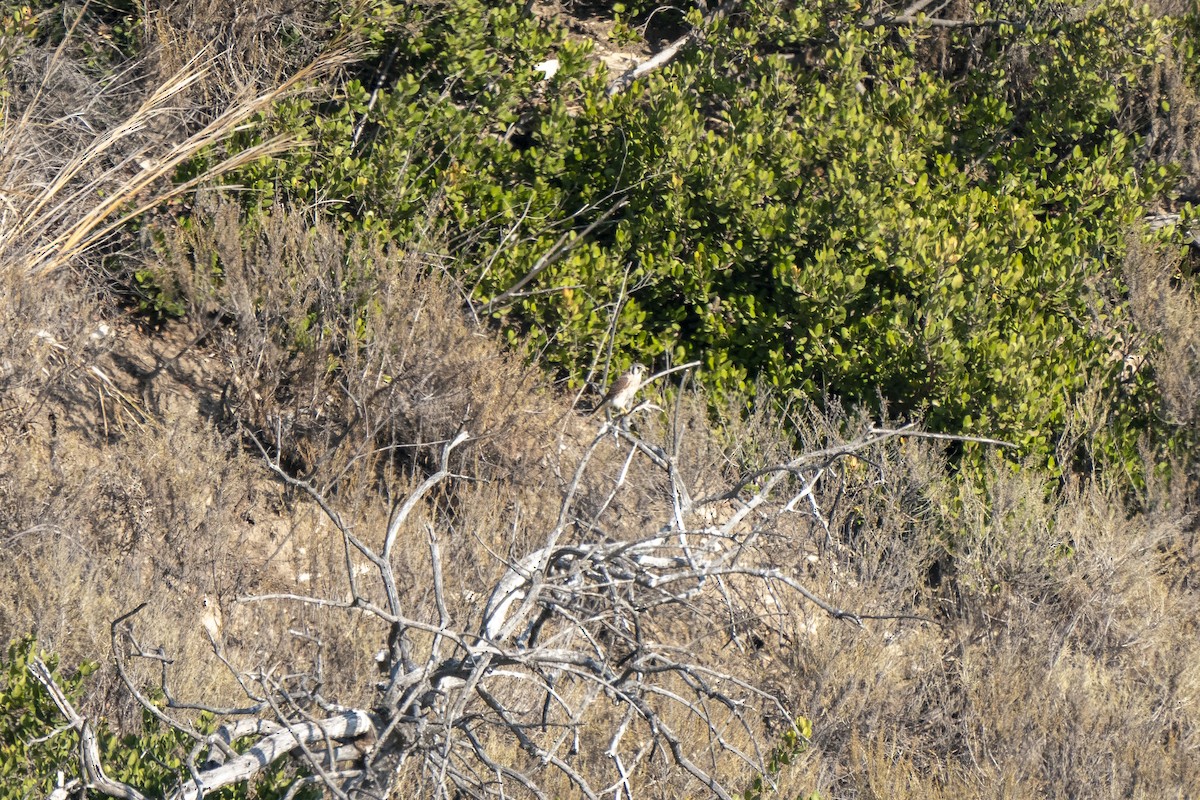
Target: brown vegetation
1060	662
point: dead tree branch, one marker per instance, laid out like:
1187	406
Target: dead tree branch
664	56
89	751
585	629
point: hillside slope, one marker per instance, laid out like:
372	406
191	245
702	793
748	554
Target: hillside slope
273	450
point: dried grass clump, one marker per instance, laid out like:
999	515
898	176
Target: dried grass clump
261	42
97	528
163	513
84	152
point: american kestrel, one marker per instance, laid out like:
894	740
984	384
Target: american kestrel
621	393
210	617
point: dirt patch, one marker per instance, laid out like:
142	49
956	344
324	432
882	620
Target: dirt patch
593	23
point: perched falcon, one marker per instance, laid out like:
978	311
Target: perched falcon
620	394
210	618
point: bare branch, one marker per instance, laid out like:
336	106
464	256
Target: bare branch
401	515
89	750
664	56
946	437
266	751
564	245
579	622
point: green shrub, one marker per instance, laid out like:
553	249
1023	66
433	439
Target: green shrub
29	757
804	201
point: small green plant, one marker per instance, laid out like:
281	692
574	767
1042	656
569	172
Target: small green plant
792	744
156	296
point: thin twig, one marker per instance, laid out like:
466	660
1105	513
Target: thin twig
948	437
561	247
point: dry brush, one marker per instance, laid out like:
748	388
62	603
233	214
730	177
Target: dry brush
594	664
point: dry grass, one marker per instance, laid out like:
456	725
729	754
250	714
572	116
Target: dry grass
102	504
1064	665
1062	661
82	154
261	42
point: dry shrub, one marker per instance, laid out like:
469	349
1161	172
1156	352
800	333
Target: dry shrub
1062	666
116	491
1164	307
161	514
350	359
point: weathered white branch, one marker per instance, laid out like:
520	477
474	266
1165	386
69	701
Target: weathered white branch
410	502
347	726
281	741
664	56
89	750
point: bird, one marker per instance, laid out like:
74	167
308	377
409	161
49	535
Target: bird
211	618
621	393
548	68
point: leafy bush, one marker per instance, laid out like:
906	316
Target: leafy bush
28	757
804	201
